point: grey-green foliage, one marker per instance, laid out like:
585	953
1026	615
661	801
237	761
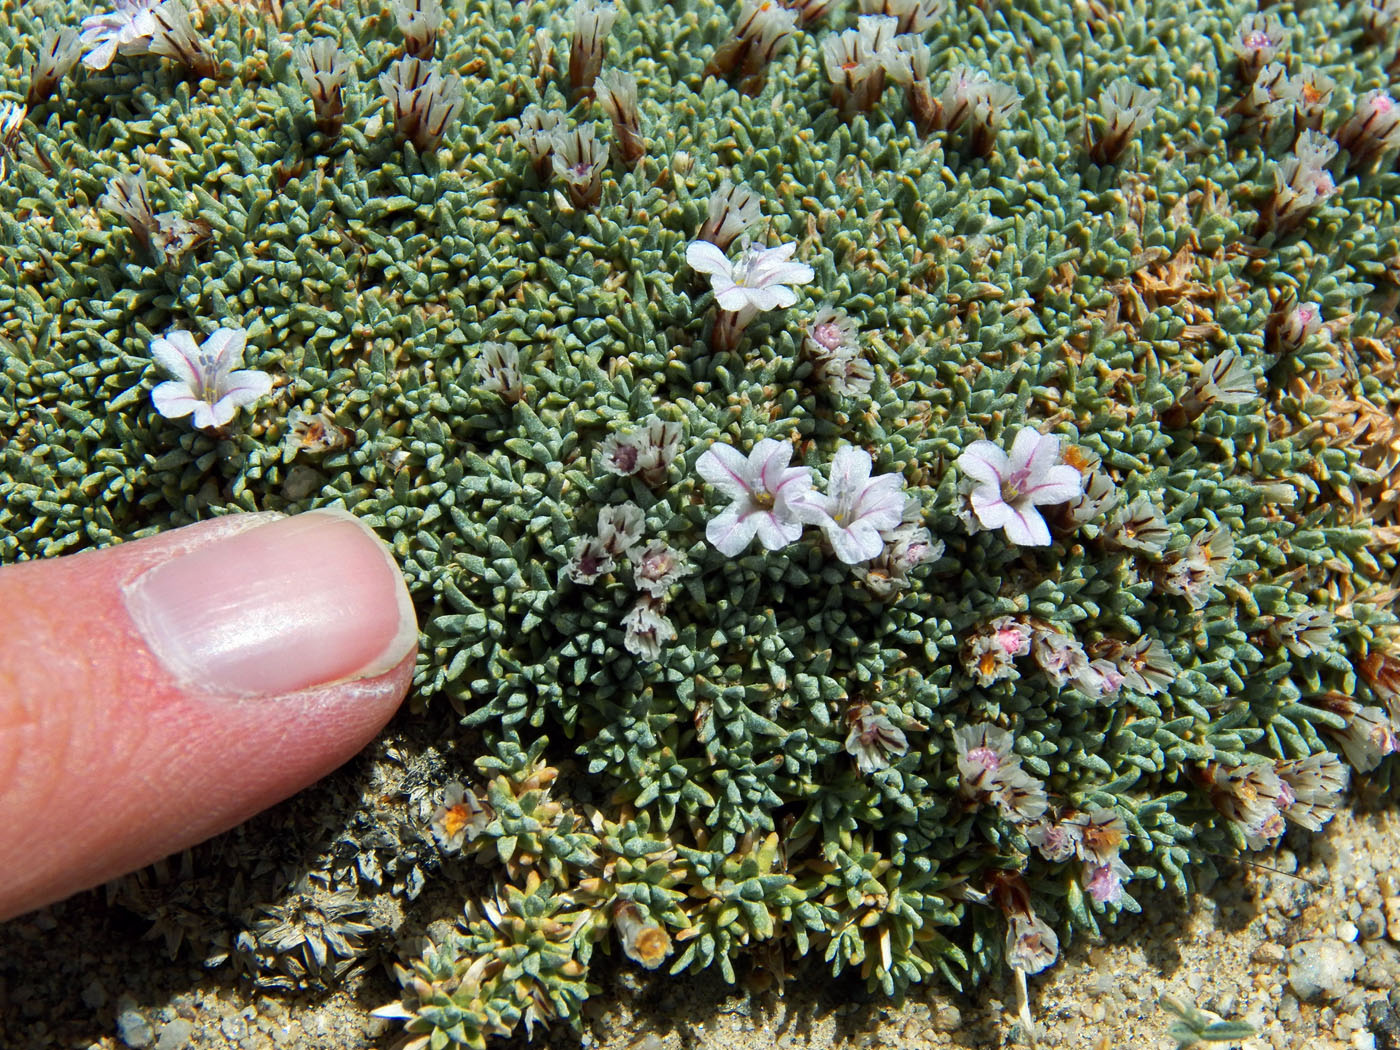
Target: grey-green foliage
991	293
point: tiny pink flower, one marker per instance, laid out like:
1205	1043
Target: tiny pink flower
760	280
771	500
205	382
1008	488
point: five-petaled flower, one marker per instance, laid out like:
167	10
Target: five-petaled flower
859	507
771	500
206	383
1009	488
762	279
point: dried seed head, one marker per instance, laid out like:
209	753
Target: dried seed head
616	92
535	136
579	159
59	51
763	29
1372	131
734	210
323	66
175	38
424	102
912	16
1125	108
419	22
592	22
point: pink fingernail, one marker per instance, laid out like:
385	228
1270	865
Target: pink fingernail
301	602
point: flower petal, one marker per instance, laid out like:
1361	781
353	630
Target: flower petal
726	469
775	533
173	400
734	297
1025	527
730	531
705	257
855	543
1035	452
850	468
245	386
1057	485
178	354
983	461
224	347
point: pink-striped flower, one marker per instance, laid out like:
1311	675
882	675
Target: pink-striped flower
771	500
205	382
1009	488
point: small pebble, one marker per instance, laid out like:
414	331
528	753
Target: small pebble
133	1029
1319	969
1347	931
175	1035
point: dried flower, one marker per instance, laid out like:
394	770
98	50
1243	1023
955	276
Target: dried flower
207	382
126	30
1251	796
1143	666
1317	784
771	500
658	567
1059	654
419	22
1224	380
1057	841
579	160
991	772
1031	945
535	136
733	212
1256	41
1291	325
498	370
620	527
762	279
855	62
591	559
592	22
1009	488
1192	571
424	101
988	653
1304	632
314	433
911	16
1311	91
808	11
175	37
460	818
973	97
873	739
907	62
59	50
1301	183
1139	526
617	94
11	120
322	66
1125	109
647	628
1104	882
1372	131
763	29
644	942
858	506
906	548
1100	496
1369	735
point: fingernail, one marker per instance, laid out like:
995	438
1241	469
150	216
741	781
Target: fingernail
301	602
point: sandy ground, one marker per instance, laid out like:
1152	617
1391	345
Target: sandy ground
1304	944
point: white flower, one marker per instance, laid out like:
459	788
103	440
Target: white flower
858	506
771	500
127	30
205	382
1008	489
760	280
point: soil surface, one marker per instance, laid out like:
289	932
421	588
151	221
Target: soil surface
1303	943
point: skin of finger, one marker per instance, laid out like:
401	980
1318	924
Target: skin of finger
106	763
